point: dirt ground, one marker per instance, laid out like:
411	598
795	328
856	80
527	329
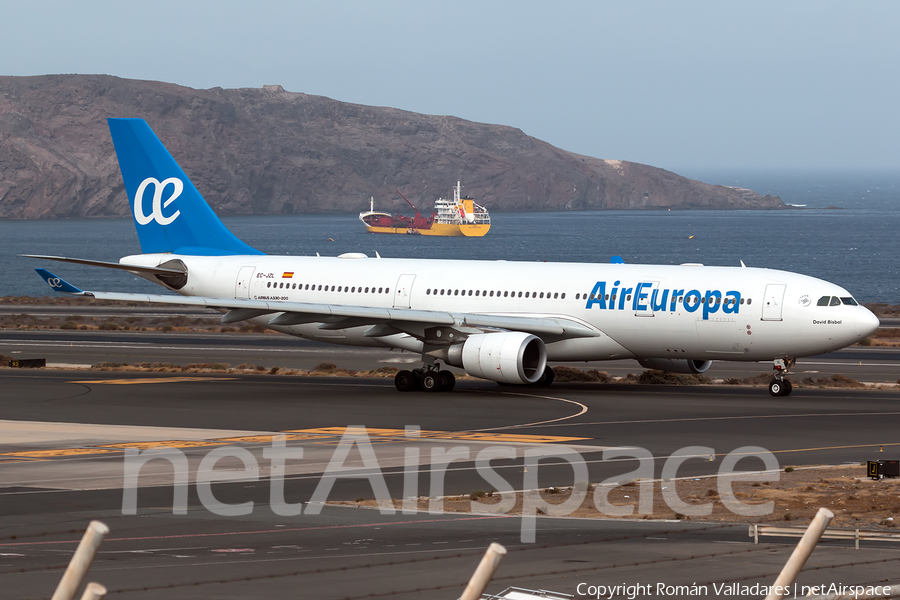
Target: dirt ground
856	501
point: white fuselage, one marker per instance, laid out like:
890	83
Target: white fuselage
639	311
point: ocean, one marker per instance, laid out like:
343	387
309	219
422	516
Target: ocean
855	245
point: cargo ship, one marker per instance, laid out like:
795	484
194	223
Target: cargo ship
457	217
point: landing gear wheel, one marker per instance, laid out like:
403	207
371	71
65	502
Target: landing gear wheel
406	381
449	380
432	381
780	388
546	378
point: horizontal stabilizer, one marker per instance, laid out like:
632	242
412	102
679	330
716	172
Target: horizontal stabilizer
109	265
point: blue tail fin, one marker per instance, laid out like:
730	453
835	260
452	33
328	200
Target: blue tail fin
169	212
58	284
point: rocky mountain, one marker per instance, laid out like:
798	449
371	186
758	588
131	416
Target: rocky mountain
268	151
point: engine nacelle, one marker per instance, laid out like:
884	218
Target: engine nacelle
513	357
688	366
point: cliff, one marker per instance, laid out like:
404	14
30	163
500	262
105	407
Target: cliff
268	151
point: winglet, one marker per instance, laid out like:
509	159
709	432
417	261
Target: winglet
58	284
616	260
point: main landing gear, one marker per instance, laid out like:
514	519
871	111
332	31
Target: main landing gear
429	378
781	386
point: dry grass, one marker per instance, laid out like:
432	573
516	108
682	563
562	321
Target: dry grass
855	500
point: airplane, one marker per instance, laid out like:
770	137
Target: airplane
497	320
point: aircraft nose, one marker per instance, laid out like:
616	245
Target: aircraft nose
866	323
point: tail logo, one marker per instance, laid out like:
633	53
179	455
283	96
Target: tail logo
54	282
158	204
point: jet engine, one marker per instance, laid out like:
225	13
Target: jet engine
513	357
688	366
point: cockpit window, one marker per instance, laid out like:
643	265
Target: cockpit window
849	301
835	301
823	301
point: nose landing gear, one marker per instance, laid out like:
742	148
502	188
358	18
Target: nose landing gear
781	386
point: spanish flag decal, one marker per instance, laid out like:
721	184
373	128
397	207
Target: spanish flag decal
287	275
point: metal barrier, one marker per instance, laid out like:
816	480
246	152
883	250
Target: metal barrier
833	534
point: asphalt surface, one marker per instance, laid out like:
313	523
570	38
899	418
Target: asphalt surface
274	350
52	482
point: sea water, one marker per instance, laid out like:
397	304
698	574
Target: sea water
855	245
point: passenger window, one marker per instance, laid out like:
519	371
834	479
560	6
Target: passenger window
849	301
578	296
520	294
563	296
470	292
477	292
428	292
506	294
555	295
527	294
835	301
492	293
823	301
749	301
542	294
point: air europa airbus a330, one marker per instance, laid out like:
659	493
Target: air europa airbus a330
497	320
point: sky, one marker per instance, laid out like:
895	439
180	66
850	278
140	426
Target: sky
687	86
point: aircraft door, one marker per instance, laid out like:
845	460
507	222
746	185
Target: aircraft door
645	297
404	290
771	310
242	285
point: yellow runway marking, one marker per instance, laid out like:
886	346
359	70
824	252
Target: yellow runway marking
321	436
152	380
819	448
163	444
267	439
445	435
55	453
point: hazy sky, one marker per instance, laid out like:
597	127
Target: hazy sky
681	85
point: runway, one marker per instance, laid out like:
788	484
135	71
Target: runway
85	348
64	435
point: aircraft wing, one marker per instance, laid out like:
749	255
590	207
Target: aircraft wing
384	321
